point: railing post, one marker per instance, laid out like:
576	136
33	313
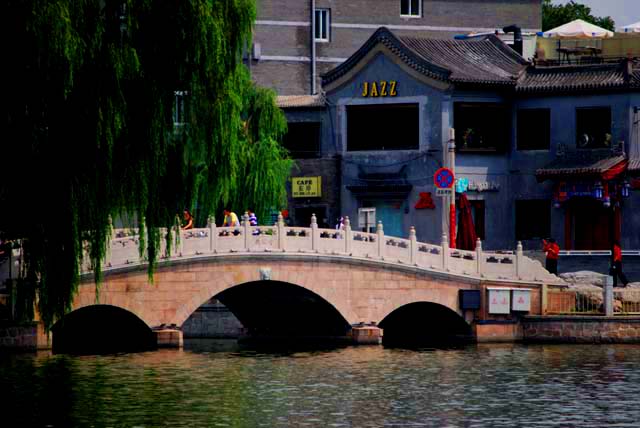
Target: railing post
479	257
608	296
314	233
281	232
213	234
245	230
519	260
413	246
347	235
445	252
180	237
381	243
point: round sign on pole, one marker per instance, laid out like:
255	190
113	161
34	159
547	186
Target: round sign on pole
443	178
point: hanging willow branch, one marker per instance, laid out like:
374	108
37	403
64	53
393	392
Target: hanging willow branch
88	128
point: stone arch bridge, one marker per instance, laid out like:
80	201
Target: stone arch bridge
364	277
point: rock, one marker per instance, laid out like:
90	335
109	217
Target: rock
584	277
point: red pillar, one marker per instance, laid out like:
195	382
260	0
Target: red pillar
452	226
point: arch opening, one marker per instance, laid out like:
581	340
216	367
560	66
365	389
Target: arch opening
425	324
101	329
274	310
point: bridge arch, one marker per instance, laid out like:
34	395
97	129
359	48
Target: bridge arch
96	329
277	308
424	322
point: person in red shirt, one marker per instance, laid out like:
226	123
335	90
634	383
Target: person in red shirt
552	251
616	265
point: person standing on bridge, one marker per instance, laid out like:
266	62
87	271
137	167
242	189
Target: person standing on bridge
616	265
552	251
188	220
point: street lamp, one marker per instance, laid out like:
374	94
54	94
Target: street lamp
598	190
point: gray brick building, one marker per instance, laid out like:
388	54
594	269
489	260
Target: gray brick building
286	57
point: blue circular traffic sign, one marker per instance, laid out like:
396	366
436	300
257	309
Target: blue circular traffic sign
443	178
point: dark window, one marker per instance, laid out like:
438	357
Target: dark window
593	127
533	219
302	139
383	127
410	8
180	108
534	129
481	126
322	25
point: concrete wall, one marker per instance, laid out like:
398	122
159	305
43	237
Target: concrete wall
581	329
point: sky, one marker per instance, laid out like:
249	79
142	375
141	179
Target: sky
623	12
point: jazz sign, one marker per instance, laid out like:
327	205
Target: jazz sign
306	187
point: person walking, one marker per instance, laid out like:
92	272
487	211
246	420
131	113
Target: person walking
552	251
616	265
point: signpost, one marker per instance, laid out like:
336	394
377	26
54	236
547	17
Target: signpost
444	179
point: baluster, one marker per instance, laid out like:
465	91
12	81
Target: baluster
347	235
413	247
245	231
479	257
213	234
281	233
380	237
519	260
314	233
445	252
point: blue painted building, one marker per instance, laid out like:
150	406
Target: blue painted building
546	151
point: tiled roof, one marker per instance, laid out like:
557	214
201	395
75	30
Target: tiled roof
583	162
634	165
298	101
484	61
579	78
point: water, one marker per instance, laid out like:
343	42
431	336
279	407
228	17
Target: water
211	384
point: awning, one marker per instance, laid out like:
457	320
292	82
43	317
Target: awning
577	29
634	166
585	165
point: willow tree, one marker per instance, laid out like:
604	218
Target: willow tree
88	129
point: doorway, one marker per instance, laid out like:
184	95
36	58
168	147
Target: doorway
391	214
591	224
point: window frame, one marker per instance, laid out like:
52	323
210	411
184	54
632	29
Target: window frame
306	154
180	108
320	22
501	145
518	128
409	8
525	205
610	130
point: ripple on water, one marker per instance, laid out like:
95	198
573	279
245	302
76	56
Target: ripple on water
475	386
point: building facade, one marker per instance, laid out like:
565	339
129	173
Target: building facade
297	41
540	151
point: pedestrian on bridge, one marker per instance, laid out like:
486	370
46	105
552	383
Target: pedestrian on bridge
188	220
552	251
616	265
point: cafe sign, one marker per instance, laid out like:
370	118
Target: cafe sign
306	187
382	88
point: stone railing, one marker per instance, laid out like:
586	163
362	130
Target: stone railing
346	242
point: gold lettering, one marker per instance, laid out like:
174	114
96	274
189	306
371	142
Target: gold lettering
365	90
383	88
392	91
374	89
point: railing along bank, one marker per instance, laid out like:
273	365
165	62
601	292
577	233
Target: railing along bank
280	238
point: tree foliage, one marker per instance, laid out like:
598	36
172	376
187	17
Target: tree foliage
555	15
89	135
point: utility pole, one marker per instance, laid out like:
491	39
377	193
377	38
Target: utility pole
451	164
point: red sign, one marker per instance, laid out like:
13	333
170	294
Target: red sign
443	178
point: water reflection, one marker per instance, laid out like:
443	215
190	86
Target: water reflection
219	383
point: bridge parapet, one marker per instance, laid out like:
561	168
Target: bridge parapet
212	240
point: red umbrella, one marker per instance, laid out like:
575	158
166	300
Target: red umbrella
466	239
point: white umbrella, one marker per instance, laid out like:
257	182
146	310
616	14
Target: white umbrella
577	29
631	28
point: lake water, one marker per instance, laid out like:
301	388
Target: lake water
214	383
